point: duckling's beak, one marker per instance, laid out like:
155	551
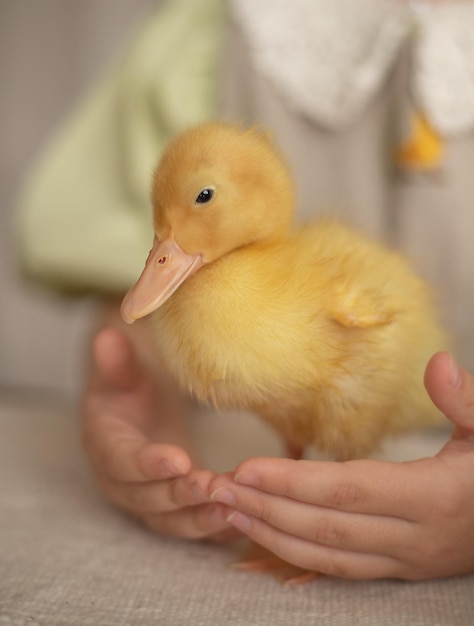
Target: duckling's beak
166	268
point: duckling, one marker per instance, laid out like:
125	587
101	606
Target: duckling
319	330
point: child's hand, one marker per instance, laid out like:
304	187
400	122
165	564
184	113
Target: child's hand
131	428
368	519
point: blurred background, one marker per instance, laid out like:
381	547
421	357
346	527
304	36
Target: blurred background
51	52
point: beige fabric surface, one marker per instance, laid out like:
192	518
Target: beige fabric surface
68	559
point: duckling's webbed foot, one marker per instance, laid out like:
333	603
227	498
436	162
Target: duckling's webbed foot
294	452
258	560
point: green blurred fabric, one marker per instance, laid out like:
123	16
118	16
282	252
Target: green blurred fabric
85	215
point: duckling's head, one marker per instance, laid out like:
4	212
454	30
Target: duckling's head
217	188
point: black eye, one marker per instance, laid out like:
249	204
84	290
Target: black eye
205	195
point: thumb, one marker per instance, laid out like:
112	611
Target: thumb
115	361
451	389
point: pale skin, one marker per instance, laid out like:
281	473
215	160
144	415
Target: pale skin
361	519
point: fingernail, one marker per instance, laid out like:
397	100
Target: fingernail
239	521
221	494
247	478
169	468
455	374
198	492
216	515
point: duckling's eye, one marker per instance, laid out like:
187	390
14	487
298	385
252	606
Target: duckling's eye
205	195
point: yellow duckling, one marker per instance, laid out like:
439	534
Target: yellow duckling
322	332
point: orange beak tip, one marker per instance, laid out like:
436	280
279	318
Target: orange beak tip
166	268
125	312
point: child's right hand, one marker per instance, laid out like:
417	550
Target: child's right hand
133	433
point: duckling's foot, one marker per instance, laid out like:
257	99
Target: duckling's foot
293	452
261	561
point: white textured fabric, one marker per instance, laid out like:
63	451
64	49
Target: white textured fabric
443	68
328	59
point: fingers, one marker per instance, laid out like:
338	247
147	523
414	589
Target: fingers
312	556
177	507
372	534
365	486
115	360
119	415
194	522
123	453
161	496
451	389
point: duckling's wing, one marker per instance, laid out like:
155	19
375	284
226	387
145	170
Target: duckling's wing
361	309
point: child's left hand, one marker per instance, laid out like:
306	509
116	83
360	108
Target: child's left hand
368	519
